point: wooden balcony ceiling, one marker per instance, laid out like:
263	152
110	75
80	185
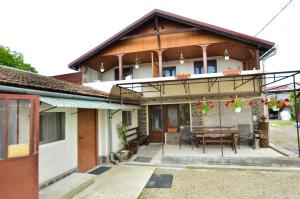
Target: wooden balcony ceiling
162	30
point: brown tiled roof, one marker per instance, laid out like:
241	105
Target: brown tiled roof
263	44
13	77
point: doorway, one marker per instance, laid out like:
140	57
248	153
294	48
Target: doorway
87	139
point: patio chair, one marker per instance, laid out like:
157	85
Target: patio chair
185	134
245	134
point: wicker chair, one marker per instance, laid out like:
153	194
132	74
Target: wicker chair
185	134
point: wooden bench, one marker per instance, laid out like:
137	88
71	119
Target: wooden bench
134	139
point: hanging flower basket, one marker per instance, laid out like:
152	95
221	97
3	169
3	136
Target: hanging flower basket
237	104
183	76
205	106
238	109
275	104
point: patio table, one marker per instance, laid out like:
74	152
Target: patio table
220	136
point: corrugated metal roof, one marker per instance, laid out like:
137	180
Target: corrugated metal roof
75	103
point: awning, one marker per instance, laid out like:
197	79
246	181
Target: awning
88	104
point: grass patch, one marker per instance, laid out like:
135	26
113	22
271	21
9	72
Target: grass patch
281	123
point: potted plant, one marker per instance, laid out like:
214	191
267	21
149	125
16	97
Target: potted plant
230	71
236	103
205	106
183	76
121	130
275	104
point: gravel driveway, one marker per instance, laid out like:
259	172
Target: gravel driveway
189	183
284	136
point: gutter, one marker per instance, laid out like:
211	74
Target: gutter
56	94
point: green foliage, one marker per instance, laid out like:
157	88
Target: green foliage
292	103
14	59
121	130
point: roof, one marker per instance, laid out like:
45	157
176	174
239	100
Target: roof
14	77
87	104
265	45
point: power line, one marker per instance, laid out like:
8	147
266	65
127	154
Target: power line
267	24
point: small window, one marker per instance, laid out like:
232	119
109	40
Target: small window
127	118
169	71
211	67
52	127
127	73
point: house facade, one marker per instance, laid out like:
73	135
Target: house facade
149	56
51	128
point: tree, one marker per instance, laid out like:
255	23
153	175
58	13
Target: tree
14	59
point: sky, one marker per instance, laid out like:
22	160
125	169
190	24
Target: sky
51	34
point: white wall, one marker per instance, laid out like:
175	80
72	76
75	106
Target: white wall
145	70
103	132
117	119
59	157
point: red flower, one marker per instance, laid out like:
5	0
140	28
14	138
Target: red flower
286	99
226	104
199	102
212	106
283	105
232	101
262	101
250	103
238	96
278	102
266	103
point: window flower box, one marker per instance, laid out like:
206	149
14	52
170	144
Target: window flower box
172	130
183	76
230	71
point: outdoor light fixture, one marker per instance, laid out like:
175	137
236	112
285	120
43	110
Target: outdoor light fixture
181	58
102	68
137	62
226	54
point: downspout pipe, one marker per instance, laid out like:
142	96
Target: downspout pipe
13	89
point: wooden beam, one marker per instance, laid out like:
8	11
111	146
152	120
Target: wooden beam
120	58
159	33
160	60
157	30
204	57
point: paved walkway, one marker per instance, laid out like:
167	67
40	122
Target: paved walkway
120	182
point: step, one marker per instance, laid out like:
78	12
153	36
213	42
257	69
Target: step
241	161
67	187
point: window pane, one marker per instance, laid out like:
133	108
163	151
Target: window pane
172	116
211	69
2	127
184	114
18	128
169	71
127	118
52	127
156	118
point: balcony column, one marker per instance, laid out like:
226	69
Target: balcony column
120	58
204	58
160	62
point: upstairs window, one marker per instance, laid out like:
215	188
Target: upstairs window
211	67
169	71
127	73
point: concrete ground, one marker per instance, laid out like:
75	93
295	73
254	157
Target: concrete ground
120	182
283	135
191	183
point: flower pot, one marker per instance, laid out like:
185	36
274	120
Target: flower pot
238	109
204	112
172	130
183	76
275	108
